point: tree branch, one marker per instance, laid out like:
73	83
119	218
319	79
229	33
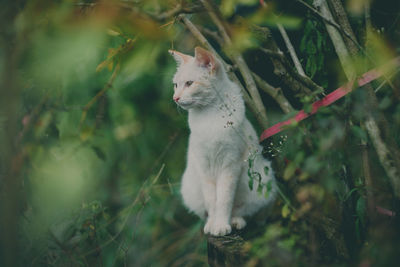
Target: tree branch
177	10
240	62
388	155
203	41
330	21
337	40
305	80
275	93
282	68
212	34
291	50
384	155
354	48
107	86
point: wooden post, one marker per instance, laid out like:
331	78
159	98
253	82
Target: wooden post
226	250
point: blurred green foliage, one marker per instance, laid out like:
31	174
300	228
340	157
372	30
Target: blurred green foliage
98	147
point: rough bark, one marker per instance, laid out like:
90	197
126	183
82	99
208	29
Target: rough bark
337	40
225	251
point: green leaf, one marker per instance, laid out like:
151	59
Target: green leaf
285	211
259	189
319	40
359	132
266	170
358	231
313	68
303	44
307	108
320	61
228	7
269	188
67	123
312	165
251	182
361	210
308	29
99	153
289	171
311	49
385	103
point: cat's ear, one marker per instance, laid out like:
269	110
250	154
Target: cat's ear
205	59
179	57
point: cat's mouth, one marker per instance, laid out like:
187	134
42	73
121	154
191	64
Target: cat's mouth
185	104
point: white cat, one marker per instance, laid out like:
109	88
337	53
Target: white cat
215	184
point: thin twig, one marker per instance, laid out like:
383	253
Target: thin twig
212	34
240	62
107	86
291	50
387	155
203	41
384	155
305	80
142	196
275	93
177	10
337	40
340	13
282	68
367	176
331	22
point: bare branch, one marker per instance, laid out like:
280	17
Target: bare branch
212	34
340	14
177	10
106	87
367	177
282	68
384	155
275	93
305	80
239	61
388	154
331	22
203	41
291	50
337	40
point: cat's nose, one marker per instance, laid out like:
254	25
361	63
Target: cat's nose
176	98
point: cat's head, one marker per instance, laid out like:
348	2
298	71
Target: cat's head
195	78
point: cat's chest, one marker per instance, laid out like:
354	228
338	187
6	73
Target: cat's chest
213	125
214	147
212	154
213	133
215	137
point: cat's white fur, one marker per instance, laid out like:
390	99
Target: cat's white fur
215	184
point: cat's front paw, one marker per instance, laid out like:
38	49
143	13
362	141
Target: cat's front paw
221	229
208	227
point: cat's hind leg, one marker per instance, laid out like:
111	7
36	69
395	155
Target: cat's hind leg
192	194
238	222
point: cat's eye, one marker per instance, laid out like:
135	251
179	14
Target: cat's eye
175	85
188	83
